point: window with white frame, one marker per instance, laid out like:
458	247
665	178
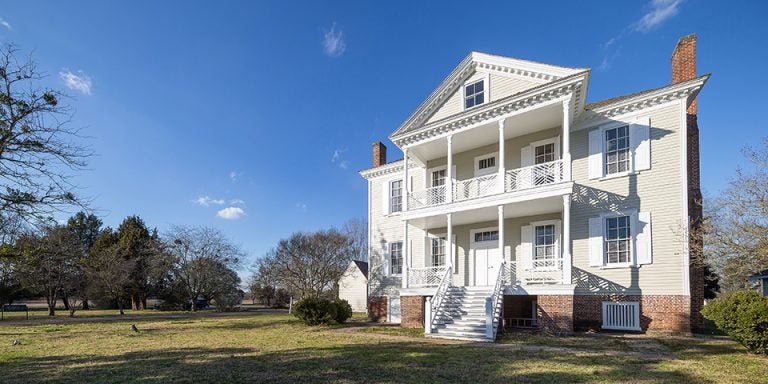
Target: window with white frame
438	178
617	152
474	94
544	247
438	251
486	236
618	240
395	196
544	153
396	258
485	163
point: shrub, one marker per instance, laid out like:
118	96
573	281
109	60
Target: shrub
743	315
314	311
343	311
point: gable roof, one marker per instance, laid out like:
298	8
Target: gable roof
538	72
362	266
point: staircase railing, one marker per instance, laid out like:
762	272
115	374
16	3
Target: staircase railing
492	306
433	305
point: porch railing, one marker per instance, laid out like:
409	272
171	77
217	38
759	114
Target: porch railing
493	304
540	271
534	176
476	187
427	197
514	180
425	277
432	306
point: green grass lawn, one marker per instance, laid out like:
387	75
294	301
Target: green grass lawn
277	348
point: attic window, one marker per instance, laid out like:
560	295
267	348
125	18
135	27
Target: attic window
474	94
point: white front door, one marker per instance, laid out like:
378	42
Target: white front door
394	309
487	260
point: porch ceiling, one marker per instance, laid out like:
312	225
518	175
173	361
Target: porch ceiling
520	209
546	117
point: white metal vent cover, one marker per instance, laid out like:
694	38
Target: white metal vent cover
621	315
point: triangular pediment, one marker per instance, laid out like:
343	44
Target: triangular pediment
504	77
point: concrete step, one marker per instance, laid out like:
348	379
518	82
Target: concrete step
460	335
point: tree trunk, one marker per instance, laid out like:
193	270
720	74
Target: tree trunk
144	302
51	305
120	306
85	303
65	301
134	302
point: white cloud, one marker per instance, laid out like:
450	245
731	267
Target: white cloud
302	206
231	213
661	11
337	158
234	175
79	82
5	24
333	42
236	202
207	201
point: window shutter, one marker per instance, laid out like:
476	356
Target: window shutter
558	240
640	141
427	251
595	154
526	156
385	198
596	242
526	246
385	259
642	225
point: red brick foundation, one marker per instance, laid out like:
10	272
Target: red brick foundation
412	311
555	313
657	312
377	308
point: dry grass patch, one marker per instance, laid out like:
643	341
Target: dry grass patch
278	348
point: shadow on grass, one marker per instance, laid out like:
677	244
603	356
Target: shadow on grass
369	362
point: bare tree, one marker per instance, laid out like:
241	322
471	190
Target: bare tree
737	238
357	231
37	147
311	264
204	260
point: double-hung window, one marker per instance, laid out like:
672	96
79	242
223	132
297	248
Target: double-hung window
618	240
617	153
396	258
438	251
438	178
474	94
395	196
544	248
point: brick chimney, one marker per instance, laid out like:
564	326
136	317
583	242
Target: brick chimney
684	68
684	63
379	154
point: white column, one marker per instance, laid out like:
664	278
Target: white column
406	183
567	139
406	255
449	172
567	259
449	241
502	168
501	233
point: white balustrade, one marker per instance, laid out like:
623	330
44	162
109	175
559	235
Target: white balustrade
427	197
425	277
539	271
476	187
534	176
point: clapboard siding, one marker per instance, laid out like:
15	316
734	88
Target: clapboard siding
657	190
353	288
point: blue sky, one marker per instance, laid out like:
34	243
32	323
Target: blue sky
254	117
